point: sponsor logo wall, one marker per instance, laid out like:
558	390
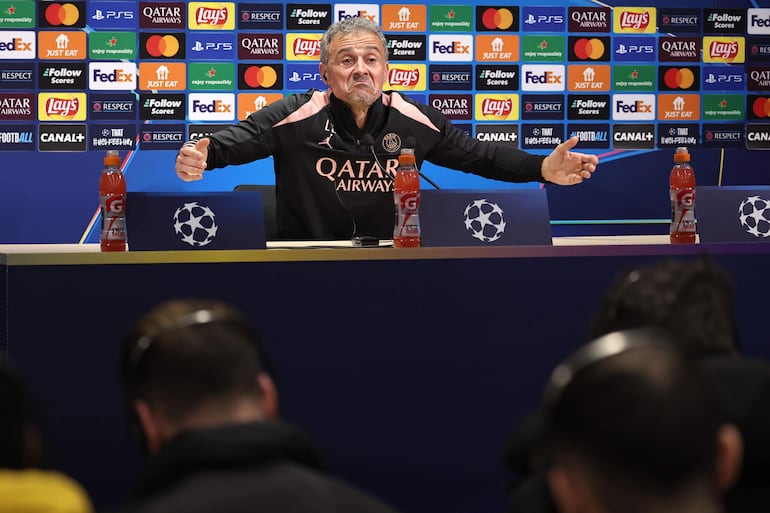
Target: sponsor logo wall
94	75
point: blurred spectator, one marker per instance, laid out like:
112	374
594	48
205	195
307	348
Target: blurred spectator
632	426
206	407
24	486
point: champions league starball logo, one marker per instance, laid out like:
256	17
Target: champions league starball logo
484	220
195	224
754	215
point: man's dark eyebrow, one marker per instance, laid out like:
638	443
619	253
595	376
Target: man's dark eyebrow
368	48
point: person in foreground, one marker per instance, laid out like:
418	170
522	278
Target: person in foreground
633	428
207	410
25	487
335	152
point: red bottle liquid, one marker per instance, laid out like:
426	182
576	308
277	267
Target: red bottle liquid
112	202
406	194
682	192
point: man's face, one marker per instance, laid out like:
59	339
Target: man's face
356	69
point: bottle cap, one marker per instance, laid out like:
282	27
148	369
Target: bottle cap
681	155
112	158
407	156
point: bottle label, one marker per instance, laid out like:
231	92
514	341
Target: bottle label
407	214
113	208
682	211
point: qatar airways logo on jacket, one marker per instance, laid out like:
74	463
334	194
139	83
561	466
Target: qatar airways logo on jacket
358	175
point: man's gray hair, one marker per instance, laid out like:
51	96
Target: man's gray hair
350	26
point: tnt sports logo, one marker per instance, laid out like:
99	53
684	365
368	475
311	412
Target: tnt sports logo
754	215
485	220
195	224
211	15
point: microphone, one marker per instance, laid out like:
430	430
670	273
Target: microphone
410	142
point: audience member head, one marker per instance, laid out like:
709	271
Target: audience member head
632	427
19	436
691	299
193	364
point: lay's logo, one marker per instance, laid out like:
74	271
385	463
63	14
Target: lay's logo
407	77
724	49
497	107
62	107
211	15
635	20
303	46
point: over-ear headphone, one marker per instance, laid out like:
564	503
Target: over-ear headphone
138	350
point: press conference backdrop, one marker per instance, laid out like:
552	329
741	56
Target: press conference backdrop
632	80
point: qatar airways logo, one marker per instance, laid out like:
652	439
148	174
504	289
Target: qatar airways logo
358	175
403	77
61	106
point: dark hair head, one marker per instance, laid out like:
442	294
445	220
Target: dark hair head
351	26
636	415
186	352
691	299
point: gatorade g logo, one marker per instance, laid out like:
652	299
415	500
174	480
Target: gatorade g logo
410	202
115	204
685	198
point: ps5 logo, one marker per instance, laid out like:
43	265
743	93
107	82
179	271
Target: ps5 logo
296	77
100	15
222	46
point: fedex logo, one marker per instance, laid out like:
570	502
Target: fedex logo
210	106
538	77
112	75
369	12
17	45
451	48
633	107
759	22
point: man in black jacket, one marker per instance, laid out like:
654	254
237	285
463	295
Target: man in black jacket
207	411
335	152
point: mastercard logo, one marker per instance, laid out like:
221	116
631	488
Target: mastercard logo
497	19
162	46
761	107
260	76
589	49
679	78
62	14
